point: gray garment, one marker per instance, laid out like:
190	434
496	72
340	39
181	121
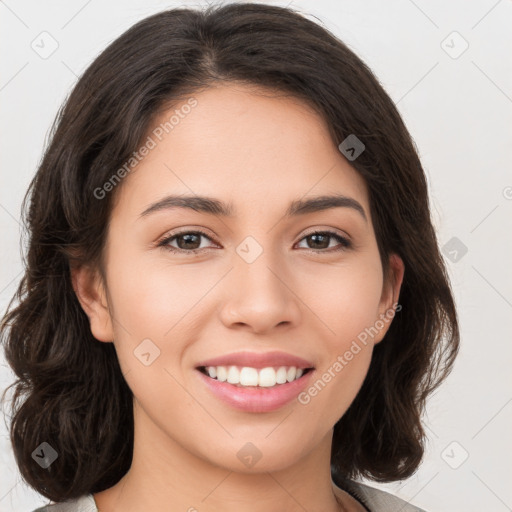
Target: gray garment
374	500
82	504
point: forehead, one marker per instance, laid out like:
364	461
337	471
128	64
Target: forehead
250	146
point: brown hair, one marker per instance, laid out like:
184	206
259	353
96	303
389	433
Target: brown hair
64	373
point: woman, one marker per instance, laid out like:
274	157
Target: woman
234	297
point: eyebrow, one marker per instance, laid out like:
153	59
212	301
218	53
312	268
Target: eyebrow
214	206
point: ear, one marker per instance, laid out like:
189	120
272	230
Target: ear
390	292
90	291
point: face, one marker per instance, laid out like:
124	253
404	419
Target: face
185	286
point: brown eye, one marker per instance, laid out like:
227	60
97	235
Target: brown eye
186	241
320	240
190	242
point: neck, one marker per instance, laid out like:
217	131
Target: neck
165	475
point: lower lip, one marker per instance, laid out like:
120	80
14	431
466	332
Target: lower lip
256	399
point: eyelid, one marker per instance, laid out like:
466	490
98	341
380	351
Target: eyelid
326	229
343	239
174	234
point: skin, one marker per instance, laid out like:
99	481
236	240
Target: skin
259	152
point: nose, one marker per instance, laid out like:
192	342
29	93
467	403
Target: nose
260	297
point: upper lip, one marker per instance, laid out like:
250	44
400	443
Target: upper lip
257	360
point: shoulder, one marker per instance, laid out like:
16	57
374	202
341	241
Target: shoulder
383	501
82	504
376	500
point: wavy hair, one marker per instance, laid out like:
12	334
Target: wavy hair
63	372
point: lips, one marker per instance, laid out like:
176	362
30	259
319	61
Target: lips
253	398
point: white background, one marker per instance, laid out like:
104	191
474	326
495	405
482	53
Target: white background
459	112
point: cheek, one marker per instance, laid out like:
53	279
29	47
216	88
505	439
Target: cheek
339	378
348	307
153	314
153	298
345	297
336	385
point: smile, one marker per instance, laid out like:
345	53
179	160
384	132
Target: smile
251	377
255	398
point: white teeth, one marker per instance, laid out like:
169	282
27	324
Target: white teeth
233	375
247	376
222	374
281	375
267	377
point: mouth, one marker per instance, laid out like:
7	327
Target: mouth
249	377
255	390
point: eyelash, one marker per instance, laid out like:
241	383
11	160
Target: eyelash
344	242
